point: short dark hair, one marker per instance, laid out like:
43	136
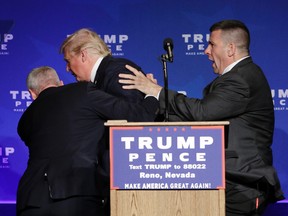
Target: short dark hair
232	25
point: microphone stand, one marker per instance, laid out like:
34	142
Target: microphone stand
164	59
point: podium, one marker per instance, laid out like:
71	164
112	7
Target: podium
167	168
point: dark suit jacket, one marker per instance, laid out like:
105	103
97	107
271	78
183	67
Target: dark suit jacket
243	97
107	79
62	128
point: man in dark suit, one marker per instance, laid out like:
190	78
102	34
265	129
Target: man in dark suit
88	58
62	129
241	95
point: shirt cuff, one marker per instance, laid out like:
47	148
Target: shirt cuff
157	97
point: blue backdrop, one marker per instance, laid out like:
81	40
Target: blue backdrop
32	31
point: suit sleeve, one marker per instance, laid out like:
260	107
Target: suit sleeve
109	107
228	98
23	128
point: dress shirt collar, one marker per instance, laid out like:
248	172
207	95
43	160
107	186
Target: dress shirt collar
229	67
95	68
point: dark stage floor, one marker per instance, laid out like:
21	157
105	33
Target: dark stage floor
277	209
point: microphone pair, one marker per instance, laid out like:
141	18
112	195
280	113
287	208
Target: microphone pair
168	46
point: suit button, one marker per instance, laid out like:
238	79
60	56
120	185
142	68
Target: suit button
45	176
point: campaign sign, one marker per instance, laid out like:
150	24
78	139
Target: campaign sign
167	157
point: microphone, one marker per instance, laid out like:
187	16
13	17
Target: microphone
168	46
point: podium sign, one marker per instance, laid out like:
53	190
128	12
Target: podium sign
177	157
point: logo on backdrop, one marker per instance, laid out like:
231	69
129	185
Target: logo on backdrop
280	99
21	100
115	43
195	44
5	153
5	36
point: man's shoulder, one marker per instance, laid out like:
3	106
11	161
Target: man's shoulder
111	62
74	89
75	85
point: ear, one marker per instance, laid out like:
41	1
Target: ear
61	83
33	94
84	55
231	49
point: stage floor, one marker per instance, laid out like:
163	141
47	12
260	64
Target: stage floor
277	209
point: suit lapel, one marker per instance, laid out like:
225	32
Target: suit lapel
209	87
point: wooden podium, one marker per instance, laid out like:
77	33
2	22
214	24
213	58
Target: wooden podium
183	199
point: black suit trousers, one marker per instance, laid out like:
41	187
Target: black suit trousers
72	206
245	200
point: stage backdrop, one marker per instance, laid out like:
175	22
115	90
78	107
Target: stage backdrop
32	31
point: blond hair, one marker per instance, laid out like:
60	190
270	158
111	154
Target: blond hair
85	39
